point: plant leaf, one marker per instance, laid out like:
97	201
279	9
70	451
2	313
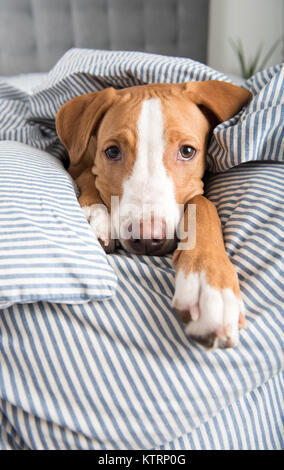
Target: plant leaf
238	48
250	68
271	50
256	59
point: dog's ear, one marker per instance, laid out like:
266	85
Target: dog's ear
77	119
219	100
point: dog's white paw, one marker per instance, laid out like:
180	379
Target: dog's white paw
213	317
100	222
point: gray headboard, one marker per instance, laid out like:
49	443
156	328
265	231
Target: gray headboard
34	34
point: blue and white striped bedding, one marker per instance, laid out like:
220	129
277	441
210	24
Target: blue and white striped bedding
121	373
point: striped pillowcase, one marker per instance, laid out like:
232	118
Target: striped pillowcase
47	250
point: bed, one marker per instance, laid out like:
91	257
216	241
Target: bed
91	355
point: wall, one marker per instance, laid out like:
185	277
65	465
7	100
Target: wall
254	21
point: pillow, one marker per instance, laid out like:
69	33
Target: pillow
47	250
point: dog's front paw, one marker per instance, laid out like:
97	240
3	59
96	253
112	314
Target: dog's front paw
208	301
100	223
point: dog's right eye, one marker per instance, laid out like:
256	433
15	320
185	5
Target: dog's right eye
113	153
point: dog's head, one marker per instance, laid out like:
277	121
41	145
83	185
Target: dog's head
148	146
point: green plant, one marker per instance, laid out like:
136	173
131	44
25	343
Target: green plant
250	67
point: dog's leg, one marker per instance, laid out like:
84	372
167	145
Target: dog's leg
94	209
207	294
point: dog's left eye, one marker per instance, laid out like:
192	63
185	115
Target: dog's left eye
113	153
186	152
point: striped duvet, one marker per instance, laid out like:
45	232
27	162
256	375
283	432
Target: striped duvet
121	373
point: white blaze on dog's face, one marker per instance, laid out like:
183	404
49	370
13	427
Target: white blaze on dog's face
150	153
148	194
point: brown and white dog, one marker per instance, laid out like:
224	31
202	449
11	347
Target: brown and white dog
147	146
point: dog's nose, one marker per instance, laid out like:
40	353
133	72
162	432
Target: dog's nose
147	247
152	238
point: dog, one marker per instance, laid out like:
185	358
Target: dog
146	145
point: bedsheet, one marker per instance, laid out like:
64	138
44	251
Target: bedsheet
121	373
